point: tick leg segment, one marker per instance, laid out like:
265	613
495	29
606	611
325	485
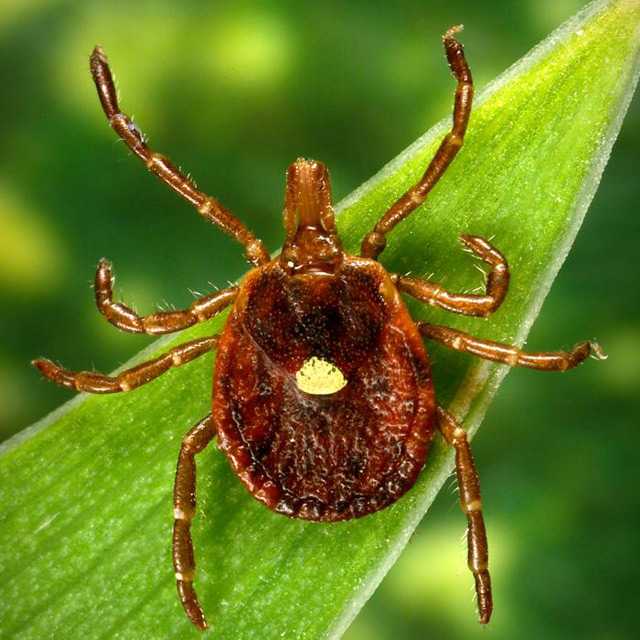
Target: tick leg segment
375	241
207	206
131	378
471	503
127	319
184	508
470	305
508	354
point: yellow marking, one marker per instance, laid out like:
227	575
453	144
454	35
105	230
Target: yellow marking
205	208
512	359
125	386
459	433
320	377
388	291
176	359
457	342
435	295
184	577
179	514
475	505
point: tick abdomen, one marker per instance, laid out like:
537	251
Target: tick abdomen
326	456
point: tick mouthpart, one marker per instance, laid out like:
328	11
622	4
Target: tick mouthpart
312	243
309	194
308	198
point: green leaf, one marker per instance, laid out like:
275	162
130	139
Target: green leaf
86	520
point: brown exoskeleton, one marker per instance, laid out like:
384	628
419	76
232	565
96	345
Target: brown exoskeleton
323	397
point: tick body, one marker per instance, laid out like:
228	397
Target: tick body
323	456
323	398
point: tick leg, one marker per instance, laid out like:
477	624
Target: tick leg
470	305
471	503
207	206
375	241
131	378
127	319
508	354
184	508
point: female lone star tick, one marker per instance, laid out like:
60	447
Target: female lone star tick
323	397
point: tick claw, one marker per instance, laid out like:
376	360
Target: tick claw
451	31
597	352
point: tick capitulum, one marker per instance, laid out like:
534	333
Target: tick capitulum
323	397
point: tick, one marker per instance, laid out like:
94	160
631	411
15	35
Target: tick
323	397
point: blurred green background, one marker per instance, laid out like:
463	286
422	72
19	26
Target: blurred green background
233	92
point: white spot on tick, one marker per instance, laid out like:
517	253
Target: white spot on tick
320	377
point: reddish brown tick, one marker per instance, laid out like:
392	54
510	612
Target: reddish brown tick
324	401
